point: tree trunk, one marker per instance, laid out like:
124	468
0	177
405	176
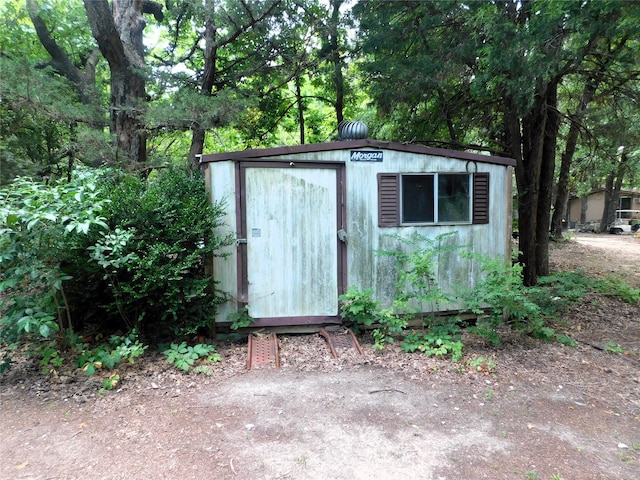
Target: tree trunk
118	31
208	79
300	104
567	158
82	79
547	170
528	174
336	59
612	192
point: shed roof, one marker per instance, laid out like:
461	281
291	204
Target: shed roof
351	145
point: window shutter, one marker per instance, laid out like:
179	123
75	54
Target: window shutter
480	198
388	200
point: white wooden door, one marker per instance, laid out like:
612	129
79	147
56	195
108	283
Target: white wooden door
292	243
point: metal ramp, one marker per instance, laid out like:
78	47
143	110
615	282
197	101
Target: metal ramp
263	347
340	338
263	350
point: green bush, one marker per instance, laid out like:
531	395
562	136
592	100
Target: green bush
41	226
108	248
149	269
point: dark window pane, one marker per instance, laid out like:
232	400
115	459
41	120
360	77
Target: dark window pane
417	198
453	198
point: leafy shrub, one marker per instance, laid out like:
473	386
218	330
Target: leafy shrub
40	227
184	356
439	340
359	307
109	354
149	269
240	319
616	287
416	271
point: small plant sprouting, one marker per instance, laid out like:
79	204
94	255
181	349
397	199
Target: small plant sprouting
51	360
488	394
362	309
439	340
108	355
184	356
240	319
481	364
613	347
111	381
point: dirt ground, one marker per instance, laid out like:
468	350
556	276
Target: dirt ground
532	411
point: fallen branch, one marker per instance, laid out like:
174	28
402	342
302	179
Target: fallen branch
388	390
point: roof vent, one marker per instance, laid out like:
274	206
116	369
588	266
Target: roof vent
352	130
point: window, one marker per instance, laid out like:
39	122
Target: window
406	199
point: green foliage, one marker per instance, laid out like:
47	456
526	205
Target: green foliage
481	364
556	293
416	271
390	325
111	381
109	354
51	359
613	347
129	347
502	290
102	356
240	319
438	339
184	356
616	287
499	298
360	308
148	270
40	227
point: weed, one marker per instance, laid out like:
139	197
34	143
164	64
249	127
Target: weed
184	356
359	307
111	381
532	475
616	287
481	364
240	319
204	370
613	347
97	358
108	355
488	394
51	360
438	340
129	348
626	457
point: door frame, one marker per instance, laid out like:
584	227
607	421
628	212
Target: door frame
241	245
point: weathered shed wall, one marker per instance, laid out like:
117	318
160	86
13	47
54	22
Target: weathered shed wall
365	267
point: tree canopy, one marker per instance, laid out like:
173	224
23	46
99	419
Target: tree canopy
137	84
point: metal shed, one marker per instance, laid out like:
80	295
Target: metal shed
310	219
